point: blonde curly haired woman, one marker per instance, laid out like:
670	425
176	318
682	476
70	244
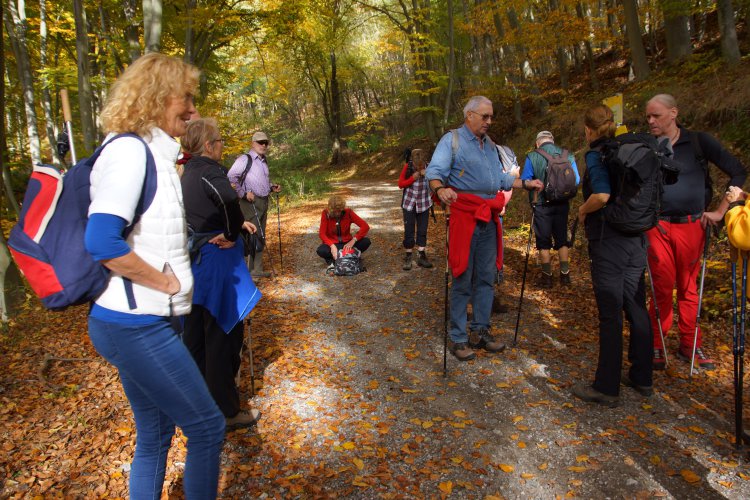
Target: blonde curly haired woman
151	281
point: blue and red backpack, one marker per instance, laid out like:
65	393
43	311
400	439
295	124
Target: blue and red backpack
48	241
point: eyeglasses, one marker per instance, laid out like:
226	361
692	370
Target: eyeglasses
219	140
485	118
262	143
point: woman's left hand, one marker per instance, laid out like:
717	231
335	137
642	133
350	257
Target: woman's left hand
220	241
349	244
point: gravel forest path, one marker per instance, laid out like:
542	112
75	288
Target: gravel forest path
348	375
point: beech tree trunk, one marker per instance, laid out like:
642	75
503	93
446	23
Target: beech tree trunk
85	94
152	10
677	31
130	8
11	284
335	113
451	66
51	126
635	40
729	47
17	28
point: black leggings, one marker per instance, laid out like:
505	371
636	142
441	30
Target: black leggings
422	220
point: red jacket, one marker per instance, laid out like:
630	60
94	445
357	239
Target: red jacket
328	227
403	180
465	212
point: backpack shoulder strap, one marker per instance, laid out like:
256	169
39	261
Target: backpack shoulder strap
243	175
698	150
148	190
544	154
454	145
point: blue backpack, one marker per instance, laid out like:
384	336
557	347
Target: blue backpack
48	241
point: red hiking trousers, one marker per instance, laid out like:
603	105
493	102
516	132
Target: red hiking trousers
674	256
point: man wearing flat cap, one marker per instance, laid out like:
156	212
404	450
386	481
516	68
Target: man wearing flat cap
550	216
250	178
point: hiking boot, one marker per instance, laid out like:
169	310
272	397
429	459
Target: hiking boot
487	342
330	268
462	351
497	306
243	419
643	390
545	281
591	395
565	279
407	262
660	362
423	262
701	360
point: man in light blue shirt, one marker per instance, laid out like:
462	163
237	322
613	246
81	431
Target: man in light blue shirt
467	178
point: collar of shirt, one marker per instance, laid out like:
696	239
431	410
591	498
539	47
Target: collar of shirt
256	157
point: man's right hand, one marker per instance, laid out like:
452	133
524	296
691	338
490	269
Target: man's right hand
249	196
447	195
334	252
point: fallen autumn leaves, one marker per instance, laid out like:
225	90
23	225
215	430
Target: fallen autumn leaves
349	379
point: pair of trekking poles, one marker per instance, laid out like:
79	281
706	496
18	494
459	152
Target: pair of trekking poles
247	342
446	298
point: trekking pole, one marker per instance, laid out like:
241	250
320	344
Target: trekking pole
263	237
700	297
446	310
736	352
249	344
656	310
525	269
67	116
740	437
278	225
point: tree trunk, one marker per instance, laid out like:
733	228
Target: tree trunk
335	113
635	40
85	94
11	284
152	10
580	12
130	7
17	28
51	126
189	42
677	31
729	47
451	66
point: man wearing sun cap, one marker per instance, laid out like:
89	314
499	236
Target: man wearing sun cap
550	217
251	179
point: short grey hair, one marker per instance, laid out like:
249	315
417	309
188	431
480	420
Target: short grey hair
474	103
666	100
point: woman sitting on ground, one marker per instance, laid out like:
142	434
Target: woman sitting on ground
335	230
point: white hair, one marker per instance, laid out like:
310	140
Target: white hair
474	103
666	100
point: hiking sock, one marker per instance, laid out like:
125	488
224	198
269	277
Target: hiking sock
564	266
547	268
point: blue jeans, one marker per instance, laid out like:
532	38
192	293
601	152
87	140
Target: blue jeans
476	284
165	388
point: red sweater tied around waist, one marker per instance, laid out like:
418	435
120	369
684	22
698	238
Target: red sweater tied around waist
465	212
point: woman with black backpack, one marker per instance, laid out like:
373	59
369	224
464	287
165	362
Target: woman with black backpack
336	234
618	262
415	203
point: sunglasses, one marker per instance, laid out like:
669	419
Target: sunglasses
262	143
